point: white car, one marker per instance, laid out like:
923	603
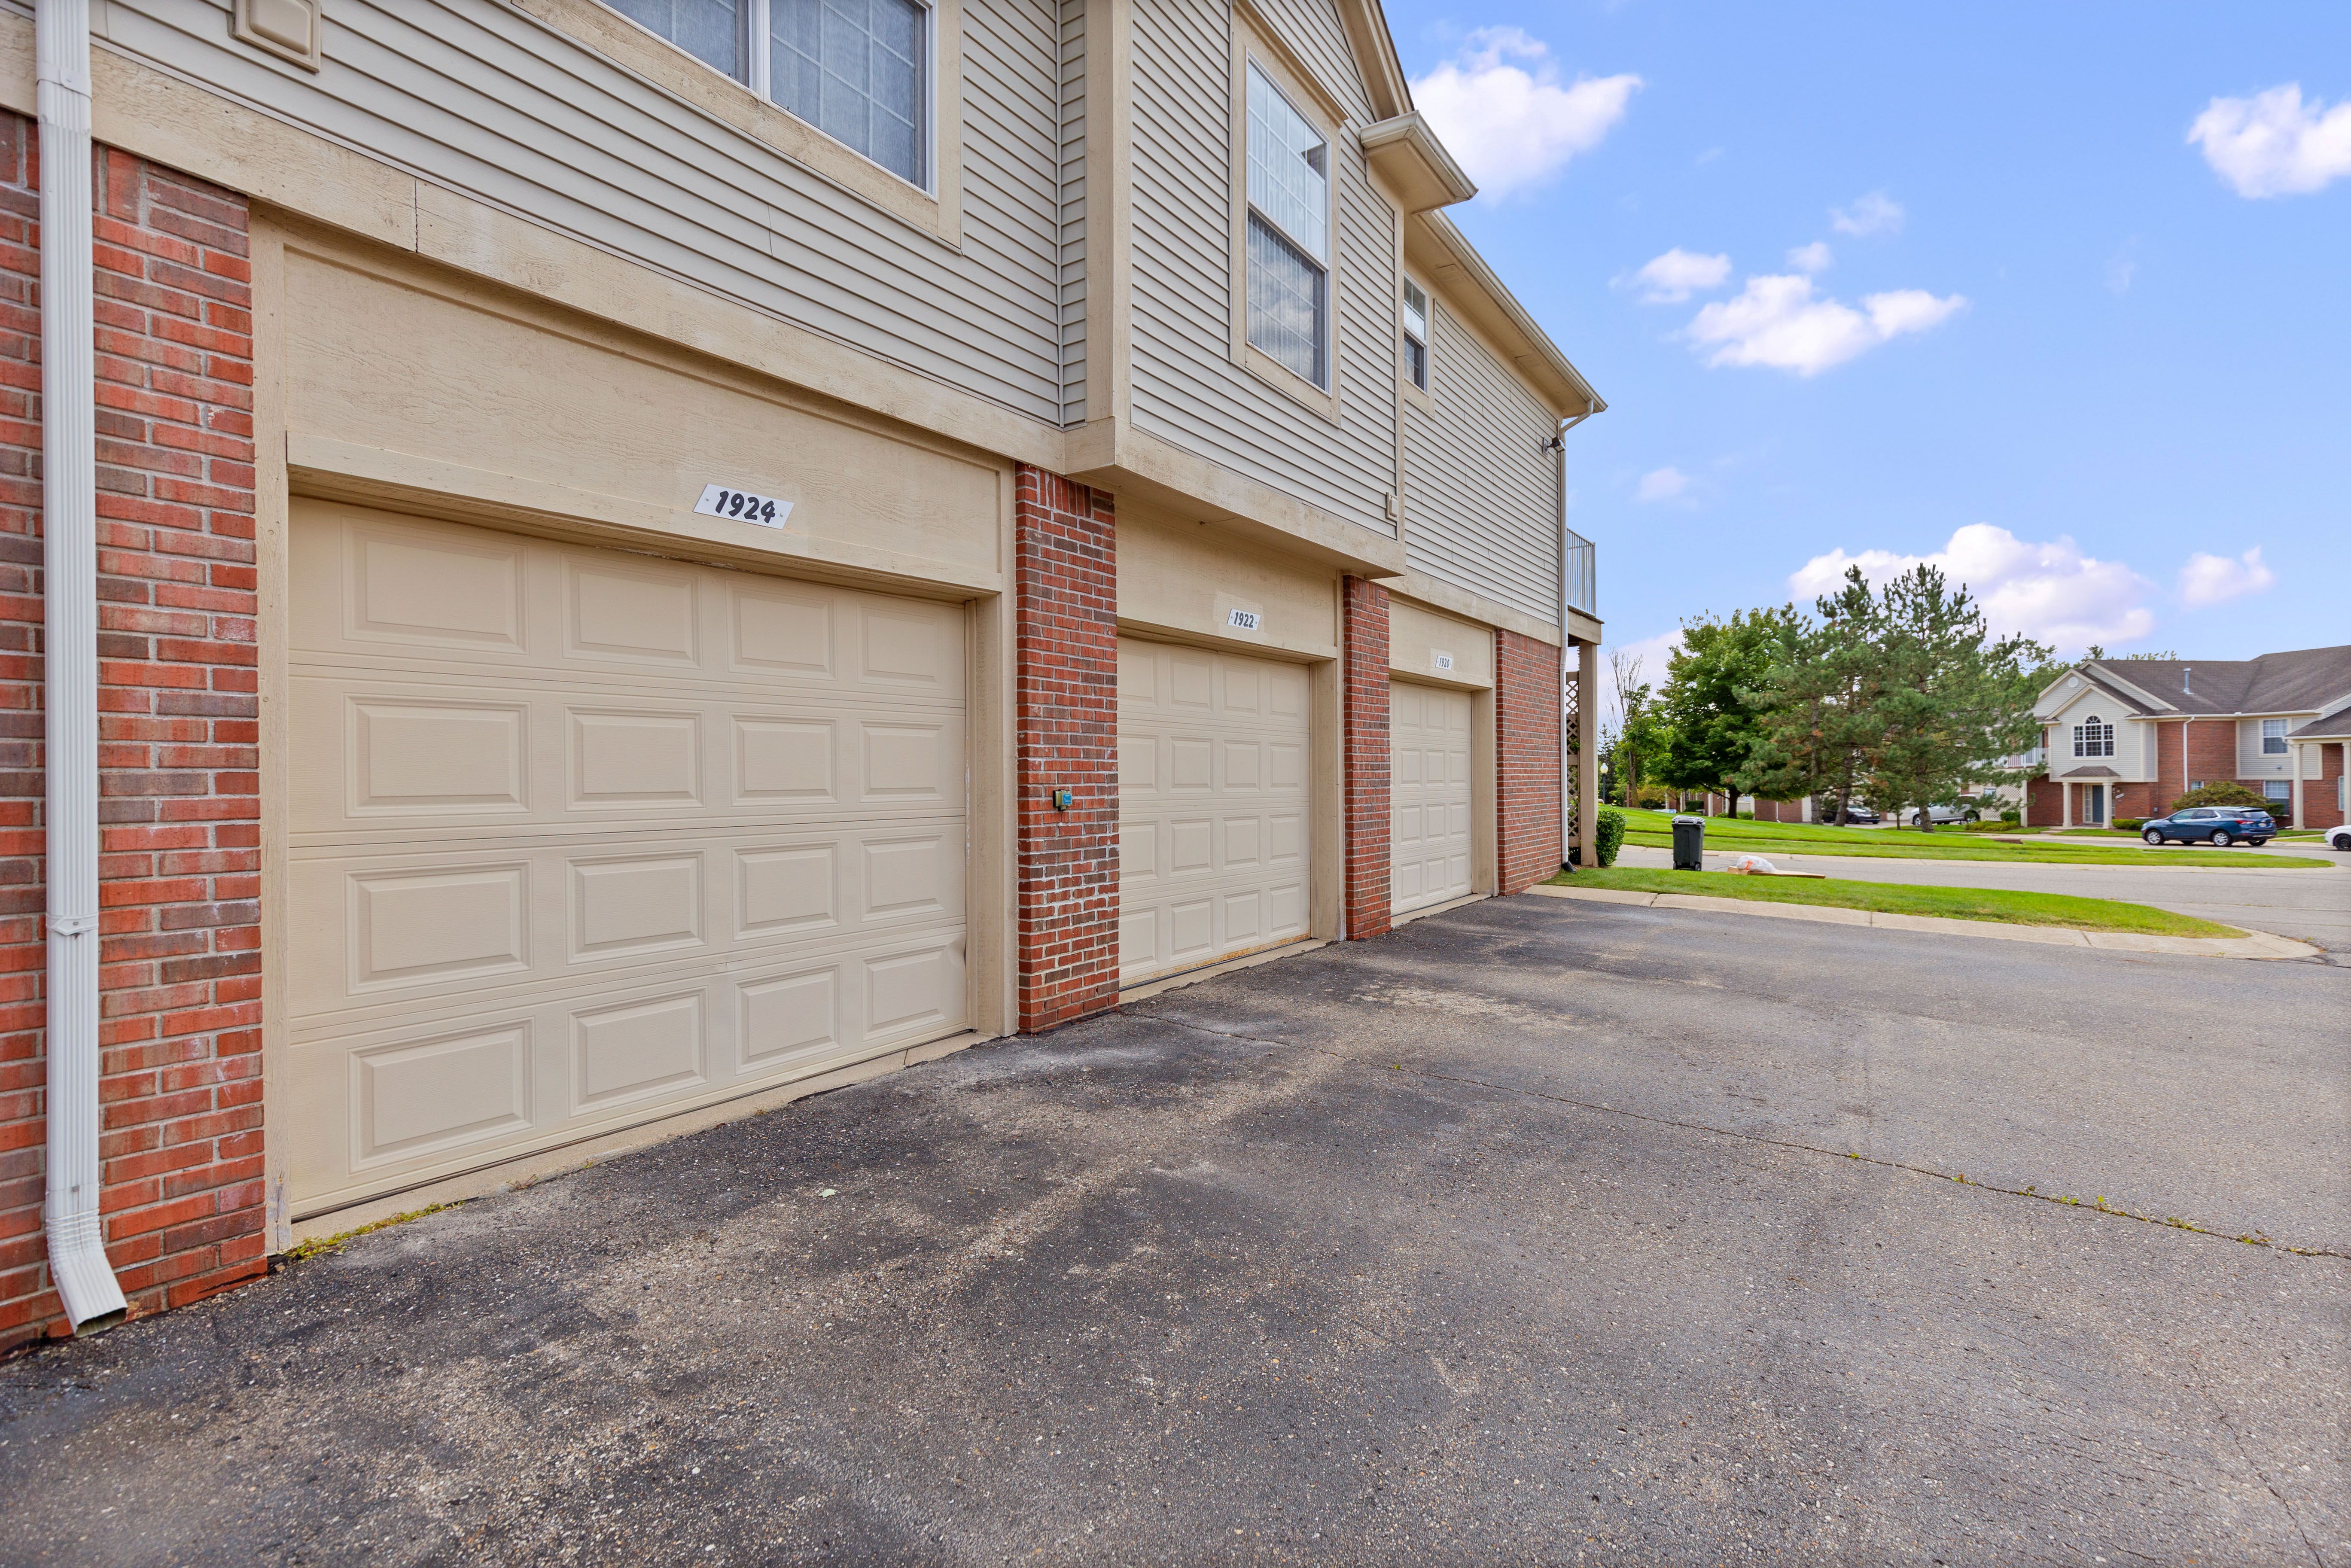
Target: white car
2339	838
1938	815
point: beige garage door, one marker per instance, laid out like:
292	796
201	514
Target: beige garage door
580	839
1429	844
1212	780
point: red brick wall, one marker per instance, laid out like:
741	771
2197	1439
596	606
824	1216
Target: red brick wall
2211	752
1364	745
1066	715
180	852
2044	803
2318	794
1526	743
1779	811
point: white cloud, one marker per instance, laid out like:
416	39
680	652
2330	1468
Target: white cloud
1777	321
2271	145
1662	485
2121	271
2214	578
1670	278
1875	213
1513	126
1814	257
2050	592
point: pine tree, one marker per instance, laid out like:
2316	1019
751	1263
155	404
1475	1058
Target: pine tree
1819	702
1947	700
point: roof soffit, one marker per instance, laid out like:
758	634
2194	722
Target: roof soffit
1417	169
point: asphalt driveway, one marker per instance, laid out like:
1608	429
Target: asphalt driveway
1538	1231
2313	905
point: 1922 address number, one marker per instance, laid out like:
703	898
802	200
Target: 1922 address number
742	506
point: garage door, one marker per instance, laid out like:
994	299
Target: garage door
1212	777
1428	740
580	839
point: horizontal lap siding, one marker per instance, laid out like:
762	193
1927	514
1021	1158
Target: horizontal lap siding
1071	275
1186	389
479	98
1481	495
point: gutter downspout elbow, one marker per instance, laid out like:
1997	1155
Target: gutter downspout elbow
85	1281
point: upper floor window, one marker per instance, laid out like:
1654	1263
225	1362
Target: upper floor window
1415	334
858	70
2274	737
1288	279
2094	737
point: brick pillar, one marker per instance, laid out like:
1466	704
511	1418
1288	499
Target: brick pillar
180	815
1066	717
1525	773
1364	747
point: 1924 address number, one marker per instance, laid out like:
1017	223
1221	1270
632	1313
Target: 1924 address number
742	506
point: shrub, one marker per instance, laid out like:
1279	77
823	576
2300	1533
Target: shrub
2129	824
1611	834
2226	793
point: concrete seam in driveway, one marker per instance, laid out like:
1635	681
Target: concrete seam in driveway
2252	945
2099	1205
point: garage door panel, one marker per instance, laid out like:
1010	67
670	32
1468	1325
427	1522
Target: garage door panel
1221	867
657	831
1429	795
626	1053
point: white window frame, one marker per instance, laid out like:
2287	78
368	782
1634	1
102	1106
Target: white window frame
1255	46
1424	342
2274	729
935	206
2094	737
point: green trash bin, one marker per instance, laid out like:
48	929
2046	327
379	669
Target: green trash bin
1689	844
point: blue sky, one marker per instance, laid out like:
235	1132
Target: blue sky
2054	317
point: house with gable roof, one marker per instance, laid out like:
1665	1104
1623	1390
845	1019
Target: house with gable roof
2124	738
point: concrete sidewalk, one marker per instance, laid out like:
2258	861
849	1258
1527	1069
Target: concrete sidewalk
2312	905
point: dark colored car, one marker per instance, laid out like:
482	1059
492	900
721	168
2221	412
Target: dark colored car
1859	816
2216	825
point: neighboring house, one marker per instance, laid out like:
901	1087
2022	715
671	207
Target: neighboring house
2124	738
641	573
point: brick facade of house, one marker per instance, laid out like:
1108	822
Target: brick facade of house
1364	686
2320	795
1527	715
1066	723
180	813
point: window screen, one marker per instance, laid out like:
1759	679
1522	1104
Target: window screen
854	68
1288	277
2094	737
2274	737
2277	789
710	30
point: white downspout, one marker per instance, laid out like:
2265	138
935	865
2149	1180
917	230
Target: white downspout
85	1281
1568	779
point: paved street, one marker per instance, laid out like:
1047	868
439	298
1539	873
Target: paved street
2313	905
1538	1231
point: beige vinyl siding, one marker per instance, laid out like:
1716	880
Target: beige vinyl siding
1186	387
476	96
1071	150
1481	495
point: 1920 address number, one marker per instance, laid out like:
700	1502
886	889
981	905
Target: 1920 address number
742	506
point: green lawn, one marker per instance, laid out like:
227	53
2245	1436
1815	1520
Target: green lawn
1894	898
1655	828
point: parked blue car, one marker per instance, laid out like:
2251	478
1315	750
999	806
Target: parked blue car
2220	826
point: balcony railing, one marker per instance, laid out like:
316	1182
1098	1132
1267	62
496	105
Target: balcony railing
1583	589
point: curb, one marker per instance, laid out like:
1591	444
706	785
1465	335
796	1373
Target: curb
1777	856
2252	945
